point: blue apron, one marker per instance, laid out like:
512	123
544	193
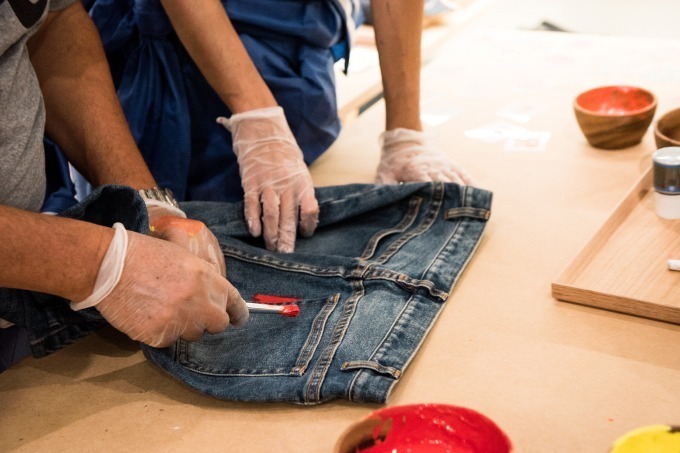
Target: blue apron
171	109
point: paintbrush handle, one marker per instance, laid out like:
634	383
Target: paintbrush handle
263	308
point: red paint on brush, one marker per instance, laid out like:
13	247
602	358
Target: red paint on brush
274	299
434	428
290	311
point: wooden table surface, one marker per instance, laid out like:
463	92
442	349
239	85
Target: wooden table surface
362	85
556	377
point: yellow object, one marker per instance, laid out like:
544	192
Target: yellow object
649	439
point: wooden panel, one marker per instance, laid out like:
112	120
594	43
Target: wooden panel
624	267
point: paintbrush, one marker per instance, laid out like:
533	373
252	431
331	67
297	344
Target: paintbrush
289	311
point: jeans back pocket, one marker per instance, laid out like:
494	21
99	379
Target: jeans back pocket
268	345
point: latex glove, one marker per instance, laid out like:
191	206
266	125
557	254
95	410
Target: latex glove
279	193
156	292
192	235
407	156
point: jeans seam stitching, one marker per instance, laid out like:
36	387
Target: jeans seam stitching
282	265
315	334
324	362
403	225
430	216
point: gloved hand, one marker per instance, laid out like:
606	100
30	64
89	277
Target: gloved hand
277	184
192	235
407	156
157	292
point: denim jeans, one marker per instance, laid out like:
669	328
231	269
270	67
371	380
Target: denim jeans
370	283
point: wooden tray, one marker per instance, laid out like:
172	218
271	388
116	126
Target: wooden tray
624	266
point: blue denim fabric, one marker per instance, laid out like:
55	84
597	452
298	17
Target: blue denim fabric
372	280
48	319
60	193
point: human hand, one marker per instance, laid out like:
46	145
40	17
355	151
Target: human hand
407	156
156	292
279	193
189	234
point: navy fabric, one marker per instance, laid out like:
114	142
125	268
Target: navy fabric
50	322
14	346
60	192
171	108
370	283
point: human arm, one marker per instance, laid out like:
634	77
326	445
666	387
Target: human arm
398	31
279	193
407	153
153	303
85	118
49	254
209	37
180	295
83	113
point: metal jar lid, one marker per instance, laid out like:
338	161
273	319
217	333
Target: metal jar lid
667	170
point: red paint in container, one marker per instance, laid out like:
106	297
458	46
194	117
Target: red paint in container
425	428
616	100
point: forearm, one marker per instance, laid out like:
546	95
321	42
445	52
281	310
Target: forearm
208	35
398	30
50	254
83	113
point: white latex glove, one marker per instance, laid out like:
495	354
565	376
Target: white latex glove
408	156
156	292
279	193
192	235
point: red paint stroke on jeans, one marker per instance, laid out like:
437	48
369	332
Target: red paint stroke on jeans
274	299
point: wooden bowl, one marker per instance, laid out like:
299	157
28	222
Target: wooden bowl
614	117
667	129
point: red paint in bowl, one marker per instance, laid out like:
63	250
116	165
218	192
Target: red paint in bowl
614	117
616	100
425	428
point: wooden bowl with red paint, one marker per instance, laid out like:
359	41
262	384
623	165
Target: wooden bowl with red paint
615	117
424	427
